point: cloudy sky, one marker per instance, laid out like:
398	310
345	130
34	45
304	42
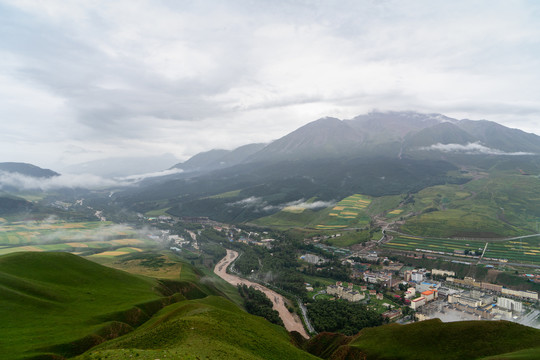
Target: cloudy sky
83	80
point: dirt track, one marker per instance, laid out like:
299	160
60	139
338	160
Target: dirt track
292	321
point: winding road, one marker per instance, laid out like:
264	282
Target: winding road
291	321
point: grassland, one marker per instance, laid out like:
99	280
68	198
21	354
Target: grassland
157	212
209	328
291	218
50	300
59	304
226	195
496	206
527	354
348	238
433	339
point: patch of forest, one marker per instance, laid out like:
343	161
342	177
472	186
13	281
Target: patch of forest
256	303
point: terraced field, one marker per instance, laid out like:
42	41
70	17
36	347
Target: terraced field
524	251
85	238
350	211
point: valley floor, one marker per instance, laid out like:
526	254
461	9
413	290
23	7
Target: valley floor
291	321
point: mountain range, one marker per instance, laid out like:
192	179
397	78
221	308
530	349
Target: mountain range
328	159
392	134
377	154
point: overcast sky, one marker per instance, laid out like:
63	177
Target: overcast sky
82	80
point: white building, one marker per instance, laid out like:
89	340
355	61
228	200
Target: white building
442	272
417	276
509	304
416	303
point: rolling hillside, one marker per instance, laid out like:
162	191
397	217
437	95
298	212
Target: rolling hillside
58	305
209	328
433	339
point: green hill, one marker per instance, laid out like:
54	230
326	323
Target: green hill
433	339
58	303
209	328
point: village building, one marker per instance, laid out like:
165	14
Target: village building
442	272
430	295
345	293
509	304
418	302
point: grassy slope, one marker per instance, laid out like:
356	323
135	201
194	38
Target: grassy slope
504	203
527	354
500	205
57	298
433	339
61	304
209	328
286	219
174	269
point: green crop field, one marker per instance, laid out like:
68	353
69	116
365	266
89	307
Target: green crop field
525	250
79	237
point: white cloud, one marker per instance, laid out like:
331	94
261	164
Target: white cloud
150	175
107	76
260	205
249	202
471	148
86	181
301	204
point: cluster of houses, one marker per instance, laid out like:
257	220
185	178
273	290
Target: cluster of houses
485	300
346	293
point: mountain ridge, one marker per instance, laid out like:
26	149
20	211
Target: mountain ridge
388	133
27	170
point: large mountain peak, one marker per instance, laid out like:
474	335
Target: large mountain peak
324	137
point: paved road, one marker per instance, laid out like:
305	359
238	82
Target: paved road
291	321
319	293
304	314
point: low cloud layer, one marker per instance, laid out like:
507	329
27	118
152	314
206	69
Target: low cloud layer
260	204
86	181
301	204
101	233
151	175
72	181
249	202
472	149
